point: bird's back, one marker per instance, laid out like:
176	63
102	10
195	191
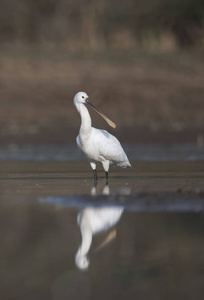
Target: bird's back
110	148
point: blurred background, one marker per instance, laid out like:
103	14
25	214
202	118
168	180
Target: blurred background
141	62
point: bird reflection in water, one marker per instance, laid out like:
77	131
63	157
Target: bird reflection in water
93	220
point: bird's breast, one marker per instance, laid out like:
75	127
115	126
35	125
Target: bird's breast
89	146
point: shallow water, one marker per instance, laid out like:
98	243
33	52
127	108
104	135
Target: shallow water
141	236
139	152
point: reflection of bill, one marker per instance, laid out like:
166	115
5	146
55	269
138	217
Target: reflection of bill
92	220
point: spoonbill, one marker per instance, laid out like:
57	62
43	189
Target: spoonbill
98	145
93	220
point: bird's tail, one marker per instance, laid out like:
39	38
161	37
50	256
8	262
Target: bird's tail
125	164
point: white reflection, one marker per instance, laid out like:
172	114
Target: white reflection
105	191
92	220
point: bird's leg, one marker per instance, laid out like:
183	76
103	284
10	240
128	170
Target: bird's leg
105	164
106	178
95	176
93	166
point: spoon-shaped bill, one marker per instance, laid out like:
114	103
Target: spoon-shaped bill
108	239
100	113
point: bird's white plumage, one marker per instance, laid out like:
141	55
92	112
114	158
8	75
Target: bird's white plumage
91	221
101	146
98	145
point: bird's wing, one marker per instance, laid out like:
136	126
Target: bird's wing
109	146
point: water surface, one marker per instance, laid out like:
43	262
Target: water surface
62	237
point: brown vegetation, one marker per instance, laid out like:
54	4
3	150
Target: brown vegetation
156	94
132	58
107	24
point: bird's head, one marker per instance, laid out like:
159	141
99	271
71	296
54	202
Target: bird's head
80	98
83	98
82	262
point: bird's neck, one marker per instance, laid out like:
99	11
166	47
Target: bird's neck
85	119
86	241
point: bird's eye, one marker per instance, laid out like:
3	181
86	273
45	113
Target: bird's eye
83	97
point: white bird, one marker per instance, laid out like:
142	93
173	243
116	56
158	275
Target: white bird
92	221
98	145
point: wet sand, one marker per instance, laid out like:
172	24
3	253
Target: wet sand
35	179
